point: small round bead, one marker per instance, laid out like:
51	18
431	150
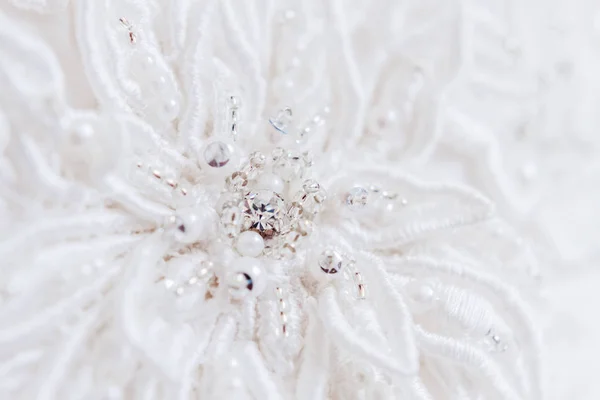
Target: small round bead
421	296
270	181
250	244
246	278
331	262
170	109
160	84
217	154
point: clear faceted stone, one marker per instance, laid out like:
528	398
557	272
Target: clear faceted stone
295	211
303	226
217	154
237	181
311	186
249	170
258	159
311	202
264	211
331	262
290	166
357	198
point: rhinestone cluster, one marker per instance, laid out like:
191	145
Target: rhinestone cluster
258	199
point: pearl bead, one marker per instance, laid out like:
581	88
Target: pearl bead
250	243
247	277
270	181
194	224
170	109
160	84
421	296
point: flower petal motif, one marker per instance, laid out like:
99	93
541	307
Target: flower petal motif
120	272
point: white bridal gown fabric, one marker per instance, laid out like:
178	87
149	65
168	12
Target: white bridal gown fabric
422	224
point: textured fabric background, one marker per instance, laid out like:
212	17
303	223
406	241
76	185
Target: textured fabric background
480	117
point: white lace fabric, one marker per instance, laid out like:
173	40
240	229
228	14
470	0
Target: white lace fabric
471	128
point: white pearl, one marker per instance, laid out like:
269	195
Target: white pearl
194	224
160	84
247	277
250	243
170	109
422	296
270	181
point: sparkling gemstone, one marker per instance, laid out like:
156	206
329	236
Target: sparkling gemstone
357	198
331	262
264	211
217	154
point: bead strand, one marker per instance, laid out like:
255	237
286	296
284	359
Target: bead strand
172	183
282	307
234	106
132	36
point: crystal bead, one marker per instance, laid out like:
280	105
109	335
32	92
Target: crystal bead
258	159
311	202
308	159
311	186
234	102
331	262
357	198
231	219
292	237
264	211
277	153
290	166
295	211
374	189
282	120
217	154
237	181
389	195
304	226
249	170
